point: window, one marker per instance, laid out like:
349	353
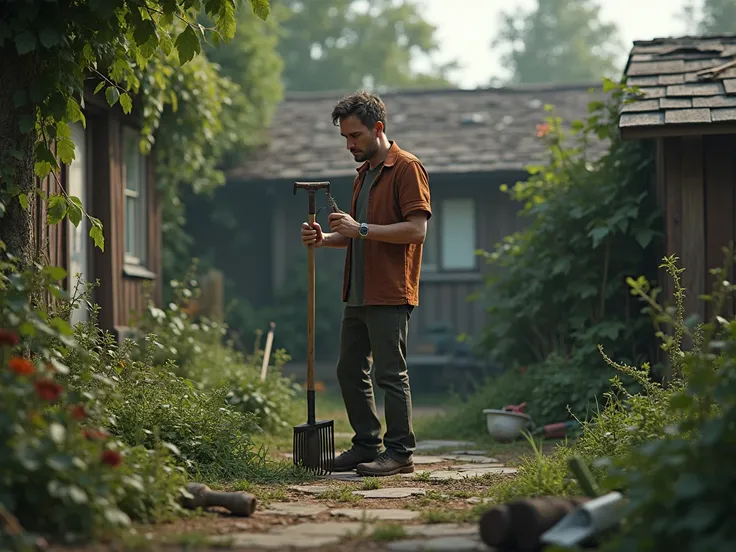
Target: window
136	204
458	234
450	244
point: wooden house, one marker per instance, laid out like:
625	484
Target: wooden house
688	107
471	142
115	183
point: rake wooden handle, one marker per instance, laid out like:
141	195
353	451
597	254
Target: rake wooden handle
239	504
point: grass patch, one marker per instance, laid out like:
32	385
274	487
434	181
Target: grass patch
371	483
340	494
388	532
423	476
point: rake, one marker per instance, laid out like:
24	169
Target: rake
314	441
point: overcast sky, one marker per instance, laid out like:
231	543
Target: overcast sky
466	27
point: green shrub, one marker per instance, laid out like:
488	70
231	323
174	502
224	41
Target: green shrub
200	351
61	474
668	447
680	483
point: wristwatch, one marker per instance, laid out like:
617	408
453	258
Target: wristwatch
363	230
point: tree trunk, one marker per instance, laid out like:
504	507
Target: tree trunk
16	155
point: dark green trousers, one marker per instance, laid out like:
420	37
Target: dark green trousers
382	330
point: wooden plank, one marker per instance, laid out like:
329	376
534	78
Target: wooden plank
720	180
100	128
673	205
693	223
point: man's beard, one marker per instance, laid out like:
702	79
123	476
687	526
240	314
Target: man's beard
366	154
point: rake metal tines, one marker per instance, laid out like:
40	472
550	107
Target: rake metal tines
314	446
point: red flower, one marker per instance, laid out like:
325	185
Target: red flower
9	338
94	434
48	389
21	366
78	412
543	130
111	457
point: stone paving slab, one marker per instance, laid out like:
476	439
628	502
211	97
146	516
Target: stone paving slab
392	492
439	544
442	530
311	489
311	529
275	541
469	452
471	459
294	509
420	459
438	444
384	514
474	466
443	475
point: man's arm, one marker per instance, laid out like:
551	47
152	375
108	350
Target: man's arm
334	240
412	230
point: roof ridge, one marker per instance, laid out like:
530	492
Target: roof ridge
508	89
691	38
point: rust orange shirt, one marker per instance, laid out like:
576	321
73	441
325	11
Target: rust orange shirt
391	270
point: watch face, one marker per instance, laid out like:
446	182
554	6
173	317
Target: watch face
363	229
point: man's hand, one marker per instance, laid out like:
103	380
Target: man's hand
344	224
312	235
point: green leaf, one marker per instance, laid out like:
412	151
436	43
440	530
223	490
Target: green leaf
25	42
23	199
65	150
95	232
112	94
62	326
56	273
56	209
126	103
67	330
644	237
226	24
144	32
608	85
75	210
598	234
74	112
100	87
49	37
187	44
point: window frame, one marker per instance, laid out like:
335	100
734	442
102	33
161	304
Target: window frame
438	268
138	255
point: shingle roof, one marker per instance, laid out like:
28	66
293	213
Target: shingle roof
451	131
683	80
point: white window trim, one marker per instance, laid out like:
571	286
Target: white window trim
139	256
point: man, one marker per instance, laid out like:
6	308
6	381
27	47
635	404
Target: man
383	234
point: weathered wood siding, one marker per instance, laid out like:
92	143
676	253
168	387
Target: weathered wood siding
696	180
118	294
50	240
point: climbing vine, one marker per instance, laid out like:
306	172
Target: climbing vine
51	49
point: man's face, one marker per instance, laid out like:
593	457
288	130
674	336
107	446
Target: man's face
360	140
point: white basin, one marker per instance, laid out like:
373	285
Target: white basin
505	426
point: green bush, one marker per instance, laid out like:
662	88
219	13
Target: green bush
199	350
668	447
61	474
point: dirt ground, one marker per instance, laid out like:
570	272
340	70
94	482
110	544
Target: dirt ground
444	502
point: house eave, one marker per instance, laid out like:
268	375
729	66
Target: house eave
674	130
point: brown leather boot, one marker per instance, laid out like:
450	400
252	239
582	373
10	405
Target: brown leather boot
384	465
349	460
